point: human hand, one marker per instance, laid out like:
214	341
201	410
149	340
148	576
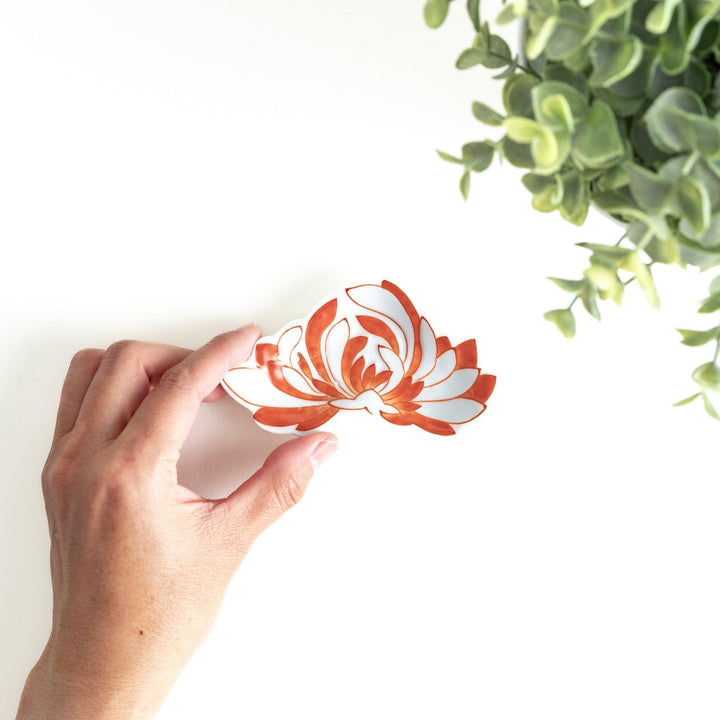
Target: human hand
139	563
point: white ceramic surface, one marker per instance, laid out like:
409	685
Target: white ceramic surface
365	349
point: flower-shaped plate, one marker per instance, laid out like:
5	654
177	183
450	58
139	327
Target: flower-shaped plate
366	349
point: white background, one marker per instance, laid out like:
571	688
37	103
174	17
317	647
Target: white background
170	170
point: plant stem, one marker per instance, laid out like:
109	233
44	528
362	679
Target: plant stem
527	69
687	167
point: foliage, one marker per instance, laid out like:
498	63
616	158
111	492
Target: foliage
614	103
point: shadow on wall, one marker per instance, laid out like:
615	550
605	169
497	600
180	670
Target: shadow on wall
224	448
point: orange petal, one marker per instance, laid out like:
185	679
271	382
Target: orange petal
355	375
466	354
321	417
275	373
377	327
327	388
316	326
406	406
285	417
265	352
437	427
443	345
381	378
396	418
352	348
481	389
414	319
368	377
406	389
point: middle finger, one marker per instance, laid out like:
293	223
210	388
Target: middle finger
128	371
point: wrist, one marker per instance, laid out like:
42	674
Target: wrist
55	691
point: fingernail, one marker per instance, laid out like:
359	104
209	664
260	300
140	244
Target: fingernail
322	452
250	326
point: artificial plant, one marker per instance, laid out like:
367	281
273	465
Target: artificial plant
614	103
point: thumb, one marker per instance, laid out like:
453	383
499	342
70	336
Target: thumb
278	485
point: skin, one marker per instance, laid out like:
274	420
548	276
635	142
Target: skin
139	563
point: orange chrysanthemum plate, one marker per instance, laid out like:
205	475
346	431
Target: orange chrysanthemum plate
366	349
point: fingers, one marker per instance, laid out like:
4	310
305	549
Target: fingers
277	486
127	373
79	376
168	413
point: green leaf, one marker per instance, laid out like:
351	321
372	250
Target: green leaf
621	204
658	19
707	376
680	131
449	158
674	50
687	400
490	53
469	58
576	200
606	281
506	15
715	286
650	189
571	286
603	10
550	196
554	112
632	263
694	203
711	304
611	252
661	251
536	43
575	104
695	338
477	156
486	115
598	143
508	71
473	8
709	409
543	143
499	53
435	12
564	321
555	72
569	33
589	301
517	95
517	154
665	118
465	184
547	7
614	60
612	179
699	17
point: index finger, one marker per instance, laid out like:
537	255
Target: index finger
163	421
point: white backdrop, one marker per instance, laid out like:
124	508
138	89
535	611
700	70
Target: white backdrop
170	170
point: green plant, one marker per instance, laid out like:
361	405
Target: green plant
614	103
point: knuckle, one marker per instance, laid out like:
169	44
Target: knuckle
180	377
120	468
289	491
62	466
123	351
87	356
